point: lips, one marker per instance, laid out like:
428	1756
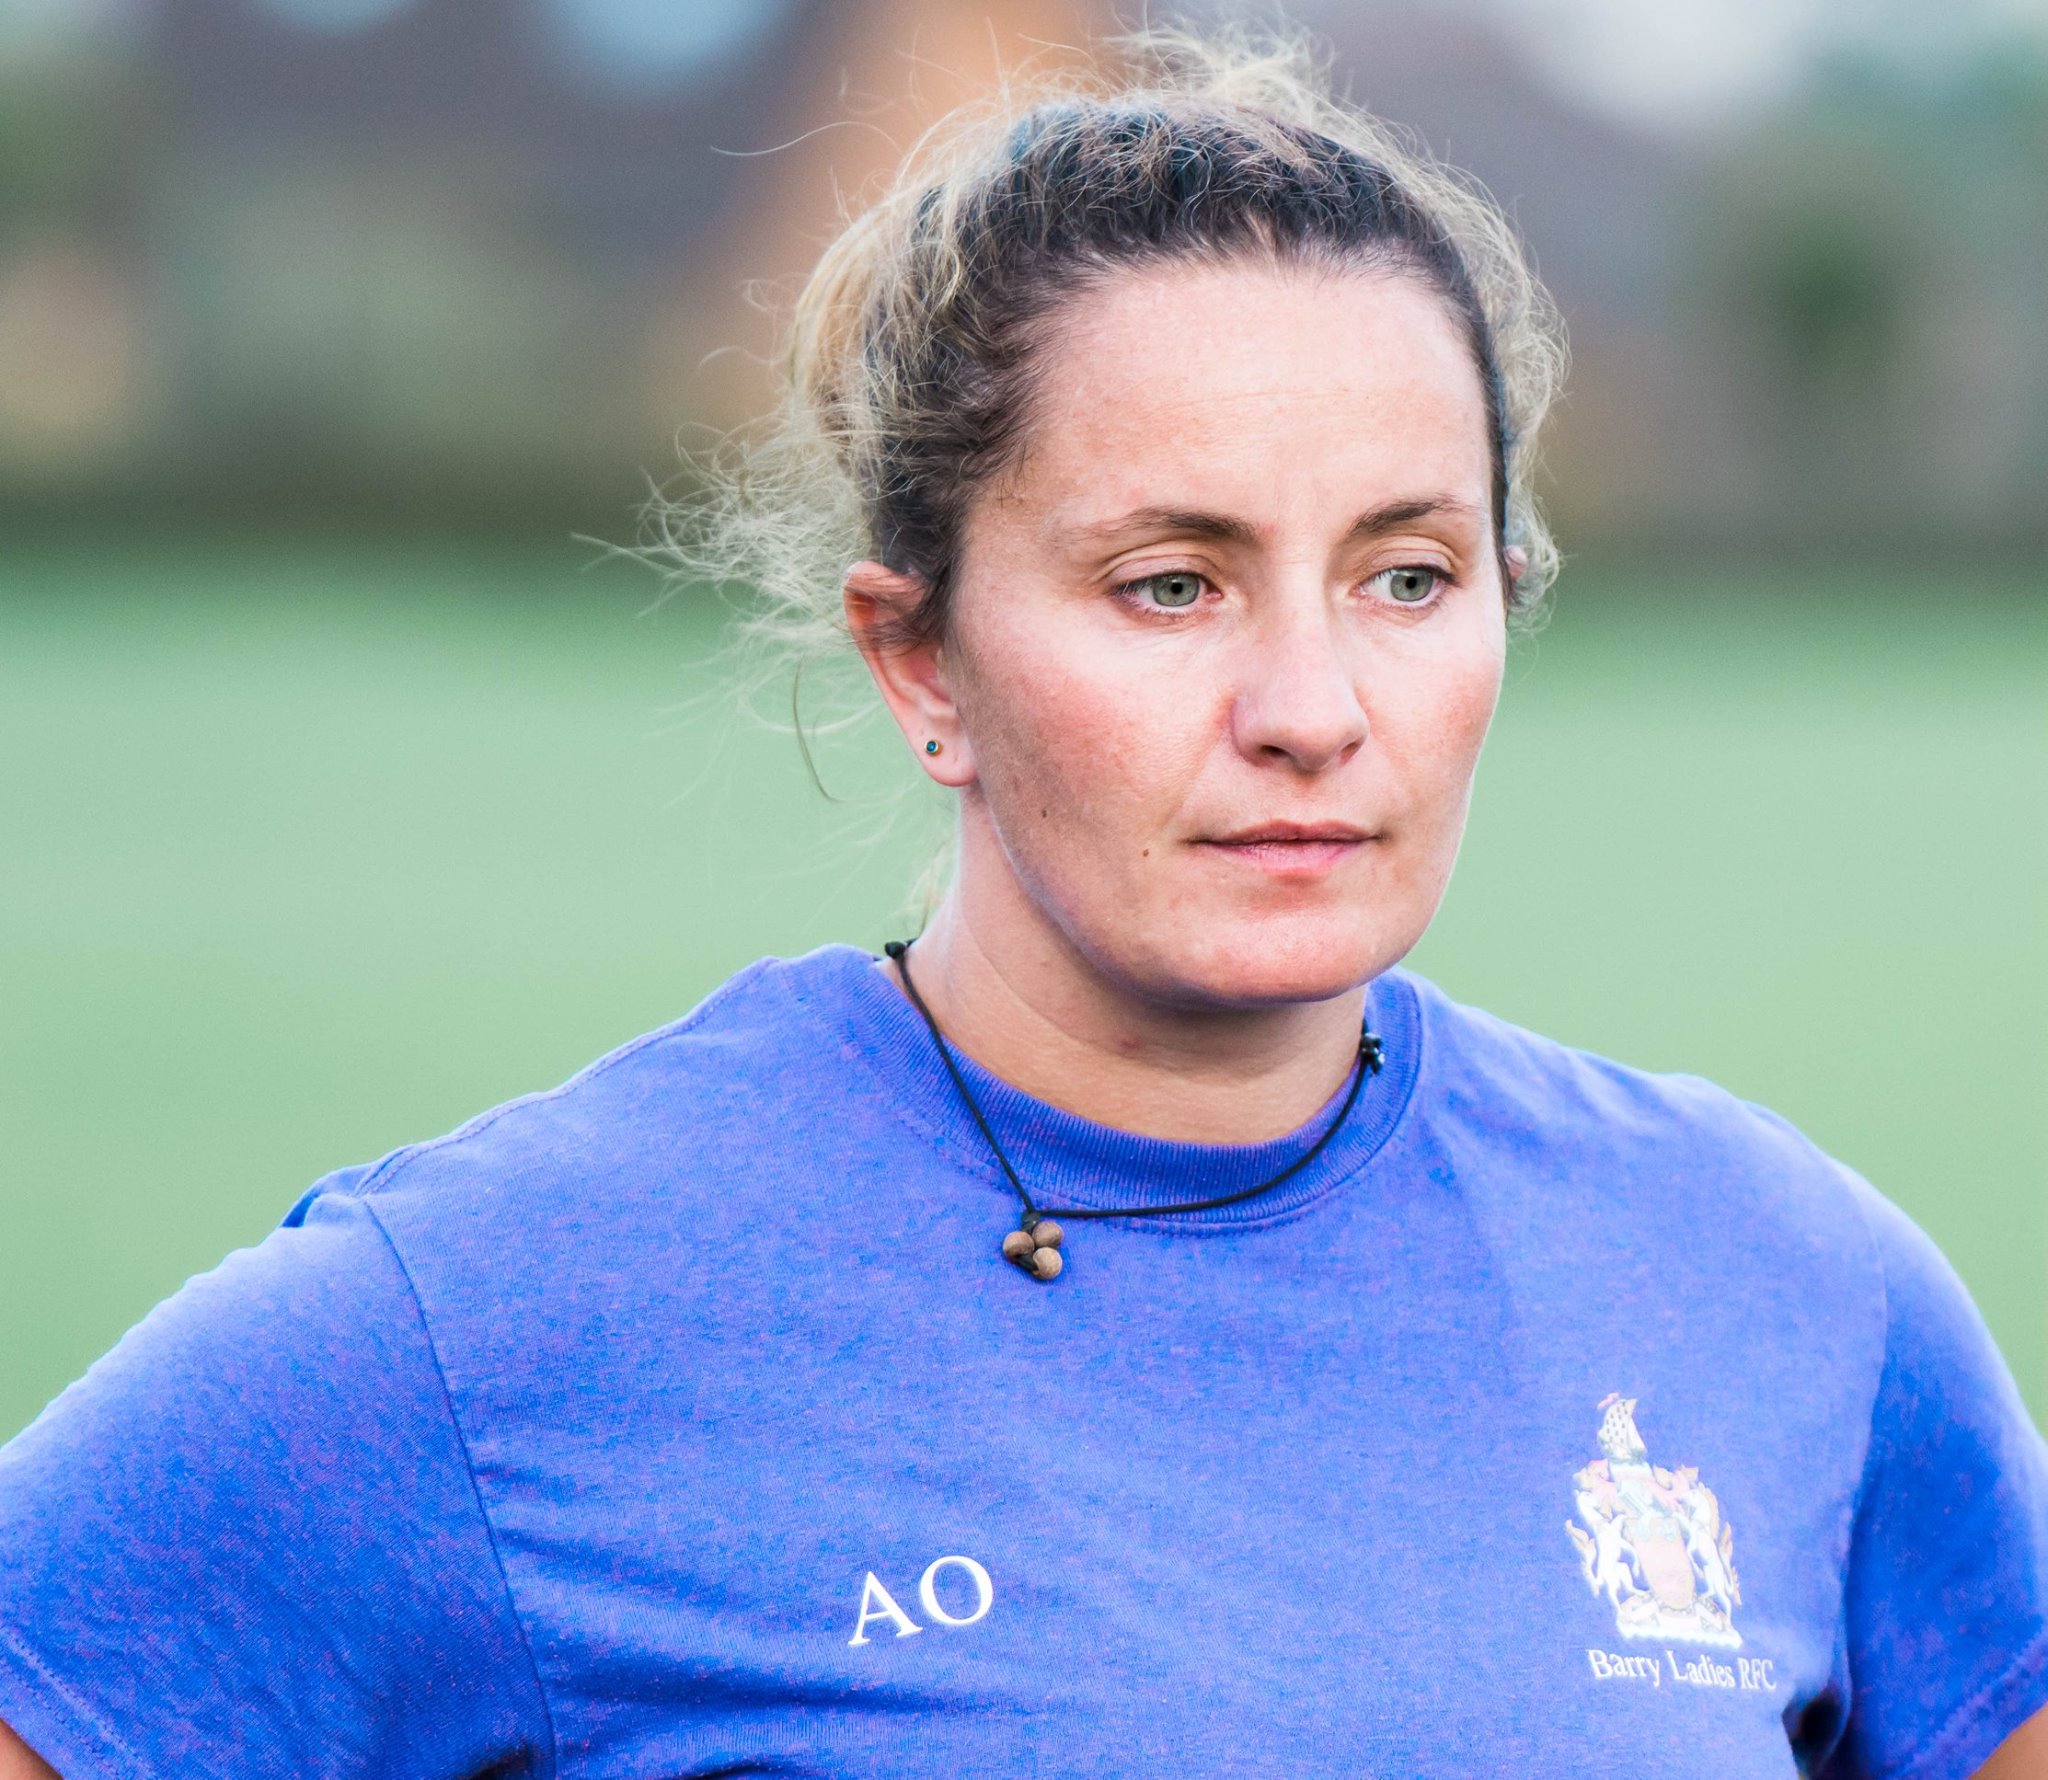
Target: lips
1292	834
1291	849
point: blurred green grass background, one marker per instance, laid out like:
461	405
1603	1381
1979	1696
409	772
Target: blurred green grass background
309	851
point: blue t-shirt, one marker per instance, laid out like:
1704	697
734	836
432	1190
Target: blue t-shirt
686	1420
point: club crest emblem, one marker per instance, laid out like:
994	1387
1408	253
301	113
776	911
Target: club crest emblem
1653	1541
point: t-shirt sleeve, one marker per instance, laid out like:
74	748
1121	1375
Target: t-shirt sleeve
1947	1598
247	1541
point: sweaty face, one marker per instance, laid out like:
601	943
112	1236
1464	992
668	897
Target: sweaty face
1226	641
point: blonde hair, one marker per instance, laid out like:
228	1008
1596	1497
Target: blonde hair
906	371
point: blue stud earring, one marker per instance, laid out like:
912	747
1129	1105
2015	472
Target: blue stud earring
932	746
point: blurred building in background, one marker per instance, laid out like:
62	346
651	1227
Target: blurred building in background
478	263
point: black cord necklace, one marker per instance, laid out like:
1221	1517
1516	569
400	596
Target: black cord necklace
1035	1244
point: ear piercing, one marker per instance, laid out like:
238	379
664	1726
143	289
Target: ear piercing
932	746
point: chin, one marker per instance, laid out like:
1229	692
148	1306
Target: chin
1270	960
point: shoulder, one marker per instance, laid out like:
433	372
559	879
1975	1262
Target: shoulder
696	1117
1658	1162
1505	1082
753	1041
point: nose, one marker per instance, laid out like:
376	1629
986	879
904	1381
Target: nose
1298	697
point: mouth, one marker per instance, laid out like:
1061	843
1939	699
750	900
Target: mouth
1291	849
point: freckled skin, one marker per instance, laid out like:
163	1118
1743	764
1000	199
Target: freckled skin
1106	748
1293	698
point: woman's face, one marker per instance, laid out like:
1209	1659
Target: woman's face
1225	642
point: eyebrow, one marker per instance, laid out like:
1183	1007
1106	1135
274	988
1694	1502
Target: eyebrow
1222	528
1182	521
1396	514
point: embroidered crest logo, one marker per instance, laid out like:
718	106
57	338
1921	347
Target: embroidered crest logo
1653	1541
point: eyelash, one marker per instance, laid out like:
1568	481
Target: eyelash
1127	591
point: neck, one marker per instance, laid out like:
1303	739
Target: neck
1018	998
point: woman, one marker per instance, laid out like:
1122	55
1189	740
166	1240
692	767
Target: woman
1136	1328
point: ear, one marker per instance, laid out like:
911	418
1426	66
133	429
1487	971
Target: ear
911	677
1517	560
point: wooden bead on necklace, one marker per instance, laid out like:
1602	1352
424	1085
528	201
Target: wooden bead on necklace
1035	1247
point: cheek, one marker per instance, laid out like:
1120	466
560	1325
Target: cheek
1433	715
1092	735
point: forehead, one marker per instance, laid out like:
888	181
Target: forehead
1272	388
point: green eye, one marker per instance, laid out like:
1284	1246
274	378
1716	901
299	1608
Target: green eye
1172	591
1411	586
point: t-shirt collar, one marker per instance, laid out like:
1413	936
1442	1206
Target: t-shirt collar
1066	1160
